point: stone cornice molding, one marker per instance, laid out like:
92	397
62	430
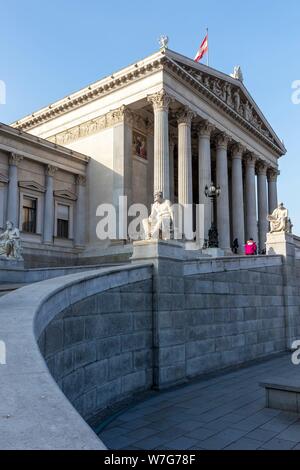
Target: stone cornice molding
110	119
205	129
222	140
226	93
80	180
65	194
50	170
32	186
185	116
15	159
160	100
3	179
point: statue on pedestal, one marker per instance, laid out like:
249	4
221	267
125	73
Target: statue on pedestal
10	243
160	222
279	220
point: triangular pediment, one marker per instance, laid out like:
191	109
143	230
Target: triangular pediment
32	186
231	94
65	194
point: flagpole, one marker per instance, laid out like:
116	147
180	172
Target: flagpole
207	48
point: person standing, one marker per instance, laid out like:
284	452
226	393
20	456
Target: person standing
250	247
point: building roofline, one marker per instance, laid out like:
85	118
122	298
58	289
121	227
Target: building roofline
46	144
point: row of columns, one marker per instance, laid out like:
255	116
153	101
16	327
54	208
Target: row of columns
49	212
243	225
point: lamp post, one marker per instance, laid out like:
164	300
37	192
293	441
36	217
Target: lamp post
212	192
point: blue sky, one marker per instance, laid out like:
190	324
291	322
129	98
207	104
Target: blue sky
52	48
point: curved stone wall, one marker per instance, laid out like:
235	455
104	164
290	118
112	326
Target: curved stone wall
99	350
35	413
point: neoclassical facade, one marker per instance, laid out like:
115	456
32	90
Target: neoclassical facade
164	123
42	191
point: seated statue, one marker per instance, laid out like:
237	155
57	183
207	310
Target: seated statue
10	242
160	222
279	220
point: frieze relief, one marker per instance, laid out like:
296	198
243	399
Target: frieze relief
110	119
233	97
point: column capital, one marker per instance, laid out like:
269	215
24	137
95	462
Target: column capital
160	100
261	168
185	116
272	174
251	160
222	140
14	159
50	170
237	150
80	180
205	129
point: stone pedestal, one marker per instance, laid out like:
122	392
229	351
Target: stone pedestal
280	243
169	356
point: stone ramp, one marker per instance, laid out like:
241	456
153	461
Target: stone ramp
6	288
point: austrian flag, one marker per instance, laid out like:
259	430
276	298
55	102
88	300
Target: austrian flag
202	49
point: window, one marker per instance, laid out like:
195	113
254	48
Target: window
29	214
63	216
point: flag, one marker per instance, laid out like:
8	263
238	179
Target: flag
202	49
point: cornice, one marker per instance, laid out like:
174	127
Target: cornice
246	114
110	119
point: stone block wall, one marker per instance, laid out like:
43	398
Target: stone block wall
99	350
233	317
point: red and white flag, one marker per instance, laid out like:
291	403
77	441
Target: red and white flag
202	49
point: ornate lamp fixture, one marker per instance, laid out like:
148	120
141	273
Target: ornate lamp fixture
212	191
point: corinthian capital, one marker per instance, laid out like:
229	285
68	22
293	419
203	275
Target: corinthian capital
222	140
185	116
160	100
261	168
14	159
251	159
272	174
237	150
50	170
80	180
205	129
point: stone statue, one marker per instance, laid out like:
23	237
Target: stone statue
279	220
160	222
237	73
10	243
213	237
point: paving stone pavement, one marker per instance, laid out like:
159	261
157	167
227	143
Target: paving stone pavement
224	412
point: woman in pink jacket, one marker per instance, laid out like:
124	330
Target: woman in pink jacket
250	247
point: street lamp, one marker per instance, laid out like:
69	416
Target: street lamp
213	192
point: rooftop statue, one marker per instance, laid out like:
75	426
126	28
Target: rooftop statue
10	243
237	73
279	220
160	222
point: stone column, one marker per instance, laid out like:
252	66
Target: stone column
12	195
171	156
160	102
262	200
80	212
223	223
238	225
272	190
185	187
204	156
251	218
49	206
